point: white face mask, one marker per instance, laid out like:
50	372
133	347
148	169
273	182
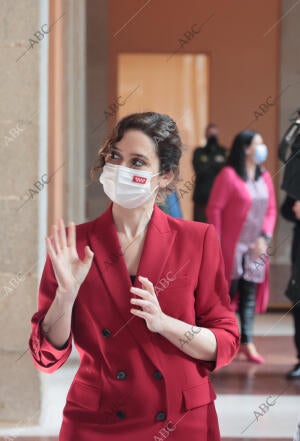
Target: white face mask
127	187
261	153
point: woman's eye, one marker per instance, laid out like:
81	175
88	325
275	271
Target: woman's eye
114	155
138	162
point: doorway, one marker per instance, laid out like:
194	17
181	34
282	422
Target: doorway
177	85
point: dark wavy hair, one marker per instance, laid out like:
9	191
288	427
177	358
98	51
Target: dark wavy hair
237	155
162	129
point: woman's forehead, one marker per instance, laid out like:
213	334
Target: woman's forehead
135	141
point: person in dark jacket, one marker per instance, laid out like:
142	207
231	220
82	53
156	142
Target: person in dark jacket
290	210
207	162
289	153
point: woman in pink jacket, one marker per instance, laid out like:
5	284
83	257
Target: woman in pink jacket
242	207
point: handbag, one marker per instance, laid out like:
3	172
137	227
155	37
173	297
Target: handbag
254	267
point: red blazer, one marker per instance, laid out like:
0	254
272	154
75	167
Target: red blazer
227	209
133	383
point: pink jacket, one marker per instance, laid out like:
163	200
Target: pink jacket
227	210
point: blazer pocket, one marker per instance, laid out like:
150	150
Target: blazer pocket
84	395
198	395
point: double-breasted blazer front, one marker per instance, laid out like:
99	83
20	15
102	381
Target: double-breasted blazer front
132	383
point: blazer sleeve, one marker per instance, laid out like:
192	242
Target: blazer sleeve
271	213
46	357
218	199
212	302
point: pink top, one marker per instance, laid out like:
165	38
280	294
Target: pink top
227	209
246	264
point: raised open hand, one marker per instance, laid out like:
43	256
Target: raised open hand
69	270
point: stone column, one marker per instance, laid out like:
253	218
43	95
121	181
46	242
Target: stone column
22	40
42	172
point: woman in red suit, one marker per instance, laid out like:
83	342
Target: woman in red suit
242	207
144	298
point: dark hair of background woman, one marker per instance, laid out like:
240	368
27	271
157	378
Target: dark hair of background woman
237	156
161	129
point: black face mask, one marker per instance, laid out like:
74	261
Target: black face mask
212	139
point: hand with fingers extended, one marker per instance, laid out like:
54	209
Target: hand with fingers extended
150	308
178	332
70	271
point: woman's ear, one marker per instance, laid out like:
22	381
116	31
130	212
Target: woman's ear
166	178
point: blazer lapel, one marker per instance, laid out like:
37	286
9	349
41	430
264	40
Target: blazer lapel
157	247
109	259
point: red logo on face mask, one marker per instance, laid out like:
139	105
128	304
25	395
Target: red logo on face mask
139	179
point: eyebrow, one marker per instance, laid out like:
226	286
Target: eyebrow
131	154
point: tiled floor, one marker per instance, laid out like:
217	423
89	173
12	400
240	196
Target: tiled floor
254	402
